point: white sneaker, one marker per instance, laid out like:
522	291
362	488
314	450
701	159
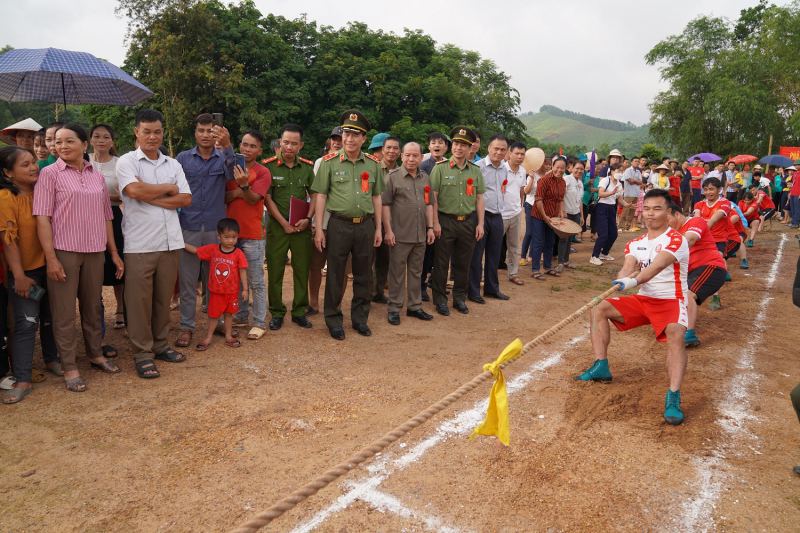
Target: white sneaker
596	261
606	257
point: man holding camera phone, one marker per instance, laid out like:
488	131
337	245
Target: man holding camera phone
207	171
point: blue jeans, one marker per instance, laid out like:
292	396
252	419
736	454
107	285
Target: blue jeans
606	228
526	241
30	315
254	252
542	240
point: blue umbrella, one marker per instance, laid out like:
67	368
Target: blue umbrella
53	75
706	157
776	161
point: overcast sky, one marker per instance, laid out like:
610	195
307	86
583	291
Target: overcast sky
538	43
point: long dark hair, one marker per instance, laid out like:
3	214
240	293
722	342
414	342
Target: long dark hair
110	130
78	130
8	158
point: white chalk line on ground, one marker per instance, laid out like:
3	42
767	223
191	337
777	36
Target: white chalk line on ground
698	513
460	424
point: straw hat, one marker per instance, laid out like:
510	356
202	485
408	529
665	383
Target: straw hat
758	167
534	159
662	166
7	134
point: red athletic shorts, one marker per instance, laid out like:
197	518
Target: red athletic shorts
642	310
222	303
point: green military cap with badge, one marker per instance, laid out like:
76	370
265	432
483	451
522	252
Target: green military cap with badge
354	120
463	134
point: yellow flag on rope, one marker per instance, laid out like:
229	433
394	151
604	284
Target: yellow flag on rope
496	422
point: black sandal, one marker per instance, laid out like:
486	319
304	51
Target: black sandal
537	275
109	352
171	356
147	366
554	273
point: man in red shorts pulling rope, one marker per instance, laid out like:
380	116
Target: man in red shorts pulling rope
662	256
707	268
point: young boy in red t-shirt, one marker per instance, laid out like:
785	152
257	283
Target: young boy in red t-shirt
228	273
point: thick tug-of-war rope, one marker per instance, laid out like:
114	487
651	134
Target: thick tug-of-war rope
308	490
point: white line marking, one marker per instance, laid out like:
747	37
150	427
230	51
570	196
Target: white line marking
698	512
462	423
385	503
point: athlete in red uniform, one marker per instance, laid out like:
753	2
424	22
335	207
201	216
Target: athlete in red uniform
765	209
662	257
713	210
227	274
707	269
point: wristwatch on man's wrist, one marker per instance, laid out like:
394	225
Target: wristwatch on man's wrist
245	187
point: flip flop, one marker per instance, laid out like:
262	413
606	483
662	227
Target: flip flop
75	384
233	343
201	346
256	332
37	376
16	395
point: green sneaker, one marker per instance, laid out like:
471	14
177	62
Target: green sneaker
598	372
715	304
749	243
691	338
672	408
728	276
745	264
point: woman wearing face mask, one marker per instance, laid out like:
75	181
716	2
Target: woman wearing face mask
104	158
610	192
26	269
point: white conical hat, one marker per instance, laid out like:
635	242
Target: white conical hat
27	124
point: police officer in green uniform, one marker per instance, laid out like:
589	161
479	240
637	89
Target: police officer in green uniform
348	185
292	177
459	187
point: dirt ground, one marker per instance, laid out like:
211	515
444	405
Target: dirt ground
224	435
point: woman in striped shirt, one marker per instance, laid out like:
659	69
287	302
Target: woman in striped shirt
73	217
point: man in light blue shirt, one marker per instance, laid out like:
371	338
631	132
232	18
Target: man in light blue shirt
495	173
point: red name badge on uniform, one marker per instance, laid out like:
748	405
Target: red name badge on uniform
365	182
505	182
470	190
427	192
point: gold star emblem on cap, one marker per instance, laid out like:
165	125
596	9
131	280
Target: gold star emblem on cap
353	116
462	132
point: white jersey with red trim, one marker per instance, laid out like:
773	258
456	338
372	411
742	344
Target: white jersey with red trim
670	282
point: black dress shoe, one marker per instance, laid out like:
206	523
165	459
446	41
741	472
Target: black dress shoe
419	313
362	329
477	299
381	299
461	307
425	297
337	333
301	321
276	323
503	266
496	295
394	318
442	309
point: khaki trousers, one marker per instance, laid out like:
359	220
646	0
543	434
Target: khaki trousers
686	203
405	257
84	281
628	212
149	282
512	228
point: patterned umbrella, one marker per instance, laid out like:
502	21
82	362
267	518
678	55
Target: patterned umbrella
742	159
53	75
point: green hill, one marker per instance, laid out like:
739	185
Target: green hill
551	129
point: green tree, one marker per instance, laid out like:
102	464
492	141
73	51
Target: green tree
651	152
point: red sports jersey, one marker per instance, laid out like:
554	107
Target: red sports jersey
223	277
704	251
744	206
695	172
764	201
720	229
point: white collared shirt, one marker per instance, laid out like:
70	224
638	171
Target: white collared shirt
512	204
493	179
148	228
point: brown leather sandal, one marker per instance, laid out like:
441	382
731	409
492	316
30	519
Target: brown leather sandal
184	338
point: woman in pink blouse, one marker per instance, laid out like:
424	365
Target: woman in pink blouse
73	217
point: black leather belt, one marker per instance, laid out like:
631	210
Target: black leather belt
460	218
350	219
490	215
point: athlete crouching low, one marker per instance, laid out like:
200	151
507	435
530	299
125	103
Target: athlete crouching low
662	256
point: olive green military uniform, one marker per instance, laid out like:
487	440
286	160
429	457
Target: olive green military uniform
457	239
351	229
288	182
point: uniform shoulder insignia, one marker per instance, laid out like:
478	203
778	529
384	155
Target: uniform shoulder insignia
330	156
442	161
306	161
270	160
373	158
